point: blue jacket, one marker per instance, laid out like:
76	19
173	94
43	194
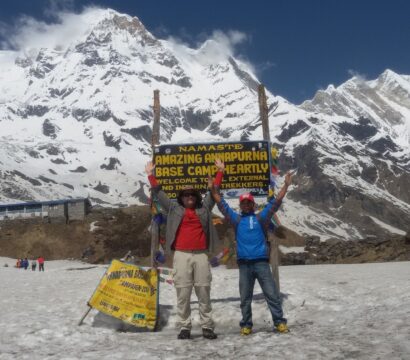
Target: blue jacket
251	230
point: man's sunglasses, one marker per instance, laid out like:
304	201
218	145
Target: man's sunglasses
188	195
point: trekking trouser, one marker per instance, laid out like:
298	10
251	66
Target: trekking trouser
248	273
192	270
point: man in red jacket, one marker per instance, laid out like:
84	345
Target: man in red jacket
191	234
40	263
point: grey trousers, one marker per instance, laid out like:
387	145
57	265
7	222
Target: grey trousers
192	270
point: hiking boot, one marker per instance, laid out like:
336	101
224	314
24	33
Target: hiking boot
184	334
282	328
246	331
208	334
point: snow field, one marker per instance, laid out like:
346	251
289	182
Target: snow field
334	312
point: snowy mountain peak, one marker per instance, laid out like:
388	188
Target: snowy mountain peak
113	20
330	89
385	101
76	119
388	75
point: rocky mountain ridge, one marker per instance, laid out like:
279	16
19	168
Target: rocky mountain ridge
75	120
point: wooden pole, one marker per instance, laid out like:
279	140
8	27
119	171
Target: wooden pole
263	111
274	242
154	142
84	316
155	125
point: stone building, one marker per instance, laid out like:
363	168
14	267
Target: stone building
57	210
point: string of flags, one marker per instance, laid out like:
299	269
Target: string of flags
274	170
157	215
160	219
224	256
165	274
274	152
220	258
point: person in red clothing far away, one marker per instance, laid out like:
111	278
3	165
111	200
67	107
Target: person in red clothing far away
191	234
40	263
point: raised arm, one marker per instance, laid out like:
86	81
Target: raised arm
163	199
209	200
274	203
214	191
223	206
284	189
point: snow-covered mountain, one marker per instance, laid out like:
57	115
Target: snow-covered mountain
75	120
385	101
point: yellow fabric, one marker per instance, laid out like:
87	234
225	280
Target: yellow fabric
217	221
128	293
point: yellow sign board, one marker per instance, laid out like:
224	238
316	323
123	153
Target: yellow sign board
128	293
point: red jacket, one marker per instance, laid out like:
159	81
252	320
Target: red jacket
190	234
40	260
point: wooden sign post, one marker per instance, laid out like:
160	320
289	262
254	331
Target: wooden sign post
154	142
274	245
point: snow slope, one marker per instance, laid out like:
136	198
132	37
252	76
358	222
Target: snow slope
76	117
334	312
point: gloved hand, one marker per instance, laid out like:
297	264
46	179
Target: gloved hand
214	261
159	219
159	257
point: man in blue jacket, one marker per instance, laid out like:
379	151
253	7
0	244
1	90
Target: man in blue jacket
253	253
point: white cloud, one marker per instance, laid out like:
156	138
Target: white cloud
221	45
359	76
260	68
29	34
56	7
212	49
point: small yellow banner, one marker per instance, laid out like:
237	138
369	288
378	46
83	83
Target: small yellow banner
128	293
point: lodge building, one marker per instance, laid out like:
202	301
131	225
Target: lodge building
61	210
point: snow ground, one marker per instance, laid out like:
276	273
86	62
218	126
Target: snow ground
291	249
334	312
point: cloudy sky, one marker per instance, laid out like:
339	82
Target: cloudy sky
295	46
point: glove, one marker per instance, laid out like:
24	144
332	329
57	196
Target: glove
159	257
214	261
159	219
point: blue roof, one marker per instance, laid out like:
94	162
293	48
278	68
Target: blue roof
53	202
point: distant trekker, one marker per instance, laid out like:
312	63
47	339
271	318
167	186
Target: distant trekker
25	263
40	263
33	265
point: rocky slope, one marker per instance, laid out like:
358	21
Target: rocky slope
111	233
75	120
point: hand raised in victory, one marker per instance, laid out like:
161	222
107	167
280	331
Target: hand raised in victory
149	168
220	165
